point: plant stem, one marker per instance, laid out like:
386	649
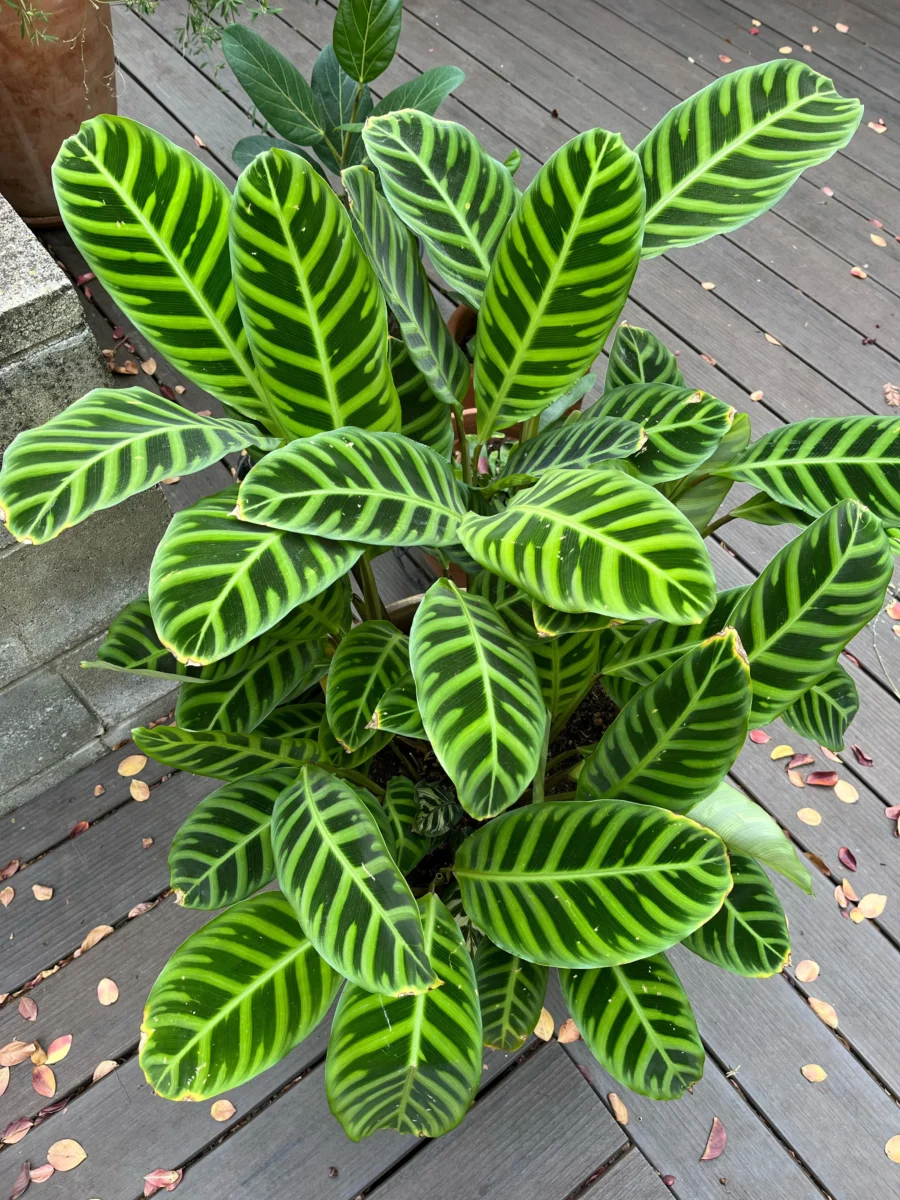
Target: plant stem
578	751
463	448
372	608
476	454
346	143
537	788
714	525
356	777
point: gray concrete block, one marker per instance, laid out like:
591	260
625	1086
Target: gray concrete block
41	721
56	773
113	695
54	596
156	710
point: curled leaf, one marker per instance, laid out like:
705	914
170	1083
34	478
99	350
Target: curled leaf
800	760
41	1174
104	1068
78	828
619	1111
824	1011
14	1053
4	1079
847	858
15	1131
864	760
23	1181
97	934
715	1143
545	1026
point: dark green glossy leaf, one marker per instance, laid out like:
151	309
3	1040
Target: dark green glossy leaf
511	991
638	356
402	810
749	934
223	755
369	661
825	709
365	36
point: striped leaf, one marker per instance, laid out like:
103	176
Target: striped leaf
152	222
728	153
233	1000
512	605
620	689
427	92
814	464
398	710
699	494
550	623
653	648
683	426
551	540
678	738
380	489
349	897
825	709
748	829
368	662
409	1063
763	510
102	449
240	703
591	885
342	102
311	304
445	188
365	36
566	667
577	443
223	755
638	356
561	405
637	1022
217	582
437	810
223	851
402	808
749	933
379	814
423	417
244	151
511	991
394	254
479	697
301	720
452	899
816	594
331	750
556	287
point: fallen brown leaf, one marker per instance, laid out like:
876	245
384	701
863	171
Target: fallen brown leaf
800	760
40	892
146	843
877	239
28	1009
140	909
97	934
872	905
15	1131
545	1026
840	896
818	862
828	191
845	791
40	1055
41	1174
785	49
200	142
773	341
813	1072
7	895
822	778
892	1148
139	790
824	1011
23	1181
14	1053
59	1048
132	765
756	397
796	778
830	754
708	358
619	1111
706	284
841	28
847	858
4	1079
806	970
65	1155
126	368
10	869
107	991
723	58
568	1032
44	1082
892	395
103	1068
78	828
859	273
809	816
222	1110
149	366
99	789
715	1143
877	126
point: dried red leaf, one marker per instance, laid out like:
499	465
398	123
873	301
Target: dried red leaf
87	277
15	1131
800	760
41	1174
847	858
862	758
44	1082
59	1048
23	1181
50	1110
822	778
28	1009
167	391
10	869
715	1143
161	1178
144	906
79	827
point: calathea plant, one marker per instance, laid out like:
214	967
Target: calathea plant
434	856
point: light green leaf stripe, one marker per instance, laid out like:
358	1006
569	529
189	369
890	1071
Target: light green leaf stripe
369	661
749	934
583	884
233	1000
677	739
550	623
637	1022
401	808
217	582
728	153
683	426
423	417
380	489
413	1063
350	898
814	596
553	538
566	666
105	447
311	304
745	827
479	697
816	463
825	709
394	254
512	605
511	991
445	188
223	852
166	265
556	288
638	356
577	443
223	755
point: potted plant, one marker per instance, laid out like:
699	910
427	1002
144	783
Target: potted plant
437	844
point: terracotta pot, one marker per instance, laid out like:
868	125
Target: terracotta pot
47	88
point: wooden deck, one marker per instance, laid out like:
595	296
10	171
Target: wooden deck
537	72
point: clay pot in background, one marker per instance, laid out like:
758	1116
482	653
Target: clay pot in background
47	88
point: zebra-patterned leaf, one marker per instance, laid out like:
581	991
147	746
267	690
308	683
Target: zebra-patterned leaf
331	750
620	689
825	709
816	594
402	809
423	417
550	624
342	102
452	899
105	447
301	720
380	816
427	92
749	933
653	648
583	884
244	151
763	510
637	1022
816	463
217	582
745	827
552	539
638	356
223	755
678	738
445	188
728	153
380	489
233	1000
566	667
699	494
511	991
437	810
398	710
152	222
556	287
365	36
368	662
577	443
311	304
223	851
409	1063
238	704
394	253
683	426
350	898
512	605
479	697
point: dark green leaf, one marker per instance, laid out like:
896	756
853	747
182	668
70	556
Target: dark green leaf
511	991
749	933
365	36
638	356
